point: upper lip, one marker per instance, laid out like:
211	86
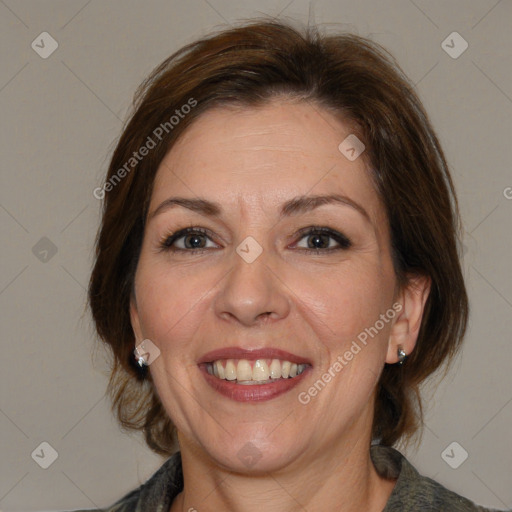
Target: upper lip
252	354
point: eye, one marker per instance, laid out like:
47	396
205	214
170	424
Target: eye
194	239
319	239
190	239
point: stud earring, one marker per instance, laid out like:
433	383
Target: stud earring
401	354
140	356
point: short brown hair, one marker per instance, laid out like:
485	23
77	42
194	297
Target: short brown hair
360	82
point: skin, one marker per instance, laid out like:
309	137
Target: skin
250	161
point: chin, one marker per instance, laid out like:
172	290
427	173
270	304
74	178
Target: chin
254	452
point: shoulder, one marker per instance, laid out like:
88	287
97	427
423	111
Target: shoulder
156	494
414	492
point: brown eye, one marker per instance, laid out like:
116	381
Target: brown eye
188	239
320	239
193	241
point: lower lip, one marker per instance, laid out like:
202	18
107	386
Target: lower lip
254	392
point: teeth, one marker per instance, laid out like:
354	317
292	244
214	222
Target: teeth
230	370
219	370
260	371
247	372
243	370
275	369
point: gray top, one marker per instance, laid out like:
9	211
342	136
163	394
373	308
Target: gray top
412	492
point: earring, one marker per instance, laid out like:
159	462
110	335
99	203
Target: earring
401	354
140	357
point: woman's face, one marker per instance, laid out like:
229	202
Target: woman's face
250	277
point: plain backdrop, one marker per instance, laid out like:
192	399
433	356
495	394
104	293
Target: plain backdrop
60	118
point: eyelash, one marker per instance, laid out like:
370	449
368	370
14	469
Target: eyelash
166	244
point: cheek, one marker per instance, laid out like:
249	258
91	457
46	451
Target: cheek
171	303
343	302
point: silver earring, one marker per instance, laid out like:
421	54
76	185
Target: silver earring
401	354
140	357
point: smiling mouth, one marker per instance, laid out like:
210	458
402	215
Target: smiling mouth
256	372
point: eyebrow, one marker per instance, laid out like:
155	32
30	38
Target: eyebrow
295	206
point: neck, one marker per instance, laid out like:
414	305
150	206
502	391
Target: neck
340	477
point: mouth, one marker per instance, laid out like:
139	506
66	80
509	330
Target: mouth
256	375
260	371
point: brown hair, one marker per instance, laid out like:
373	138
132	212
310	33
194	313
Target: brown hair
359	81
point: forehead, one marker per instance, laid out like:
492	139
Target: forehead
261	157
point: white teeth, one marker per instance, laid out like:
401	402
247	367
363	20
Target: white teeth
220	370
243	370
260	371
230	370
275	369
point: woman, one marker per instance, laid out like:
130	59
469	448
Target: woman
276	273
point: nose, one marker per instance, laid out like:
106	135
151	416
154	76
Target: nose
252	293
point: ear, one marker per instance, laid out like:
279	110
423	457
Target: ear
405	330
135	320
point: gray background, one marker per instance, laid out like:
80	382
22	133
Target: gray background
60	118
